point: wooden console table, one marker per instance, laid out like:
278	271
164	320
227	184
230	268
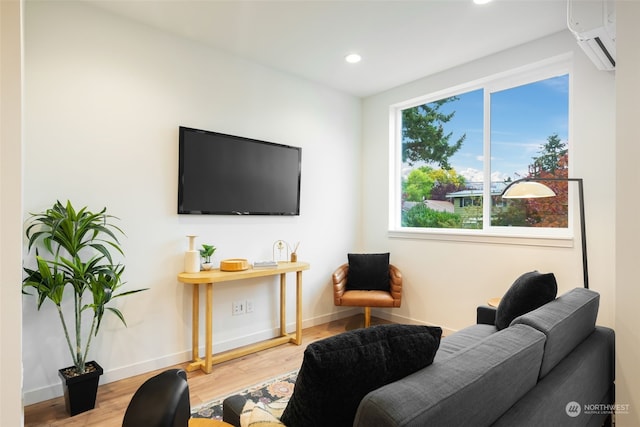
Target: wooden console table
210	277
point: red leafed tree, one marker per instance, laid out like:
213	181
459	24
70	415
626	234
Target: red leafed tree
552	163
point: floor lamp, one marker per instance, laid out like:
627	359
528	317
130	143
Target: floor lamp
532	188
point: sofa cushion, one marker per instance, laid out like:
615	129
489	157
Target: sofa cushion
471	388
337	372
368	272
566	322
464	338
530	291
586	376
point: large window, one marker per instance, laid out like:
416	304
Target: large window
456	151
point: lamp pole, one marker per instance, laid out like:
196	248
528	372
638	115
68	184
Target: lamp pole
583	233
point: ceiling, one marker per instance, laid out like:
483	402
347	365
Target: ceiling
399	41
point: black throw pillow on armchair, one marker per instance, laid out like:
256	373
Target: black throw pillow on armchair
368	272
528	292
337	372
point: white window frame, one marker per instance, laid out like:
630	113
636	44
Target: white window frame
535	236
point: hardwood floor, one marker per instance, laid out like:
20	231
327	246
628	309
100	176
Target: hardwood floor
226	378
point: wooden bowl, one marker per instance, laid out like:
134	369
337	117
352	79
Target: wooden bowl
234	264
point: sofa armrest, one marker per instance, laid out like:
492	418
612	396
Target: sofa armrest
485	315
232	408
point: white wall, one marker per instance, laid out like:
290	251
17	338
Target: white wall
103	101
11	213
627	229
445	281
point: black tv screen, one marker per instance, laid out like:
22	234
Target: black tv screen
230	175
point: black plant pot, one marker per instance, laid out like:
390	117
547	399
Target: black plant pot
80	391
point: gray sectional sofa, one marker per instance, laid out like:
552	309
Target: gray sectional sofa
550	367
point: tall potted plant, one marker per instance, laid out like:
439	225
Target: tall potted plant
78	246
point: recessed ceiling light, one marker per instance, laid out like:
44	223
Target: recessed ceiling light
481	1
353	58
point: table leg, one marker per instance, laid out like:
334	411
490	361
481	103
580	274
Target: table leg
195	324
298	340
208	359
196	362
283	305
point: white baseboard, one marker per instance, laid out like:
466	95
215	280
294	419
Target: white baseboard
391	316
116	374
110	375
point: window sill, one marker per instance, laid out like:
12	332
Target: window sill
483	237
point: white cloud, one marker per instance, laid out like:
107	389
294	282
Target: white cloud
472	174
476	175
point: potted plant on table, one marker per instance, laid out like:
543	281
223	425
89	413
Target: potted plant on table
206	253
78	247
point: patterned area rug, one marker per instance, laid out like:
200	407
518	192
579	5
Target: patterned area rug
266	392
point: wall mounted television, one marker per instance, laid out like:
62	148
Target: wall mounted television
223	174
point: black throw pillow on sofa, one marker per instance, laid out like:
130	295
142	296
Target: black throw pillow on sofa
337	372
528	292
368	272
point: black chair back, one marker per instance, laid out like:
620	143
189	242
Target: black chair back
162	401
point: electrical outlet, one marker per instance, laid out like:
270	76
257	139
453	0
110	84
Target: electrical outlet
249	306
238	308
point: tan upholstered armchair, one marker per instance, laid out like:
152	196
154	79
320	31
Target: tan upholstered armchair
367	298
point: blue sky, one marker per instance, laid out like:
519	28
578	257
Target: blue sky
522	118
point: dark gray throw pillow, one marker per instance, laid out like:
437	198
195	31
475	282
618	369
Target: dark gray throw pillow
528	292
337	372
368	272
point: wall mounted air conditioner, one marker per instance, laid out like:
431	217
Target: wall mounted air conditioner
594	25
